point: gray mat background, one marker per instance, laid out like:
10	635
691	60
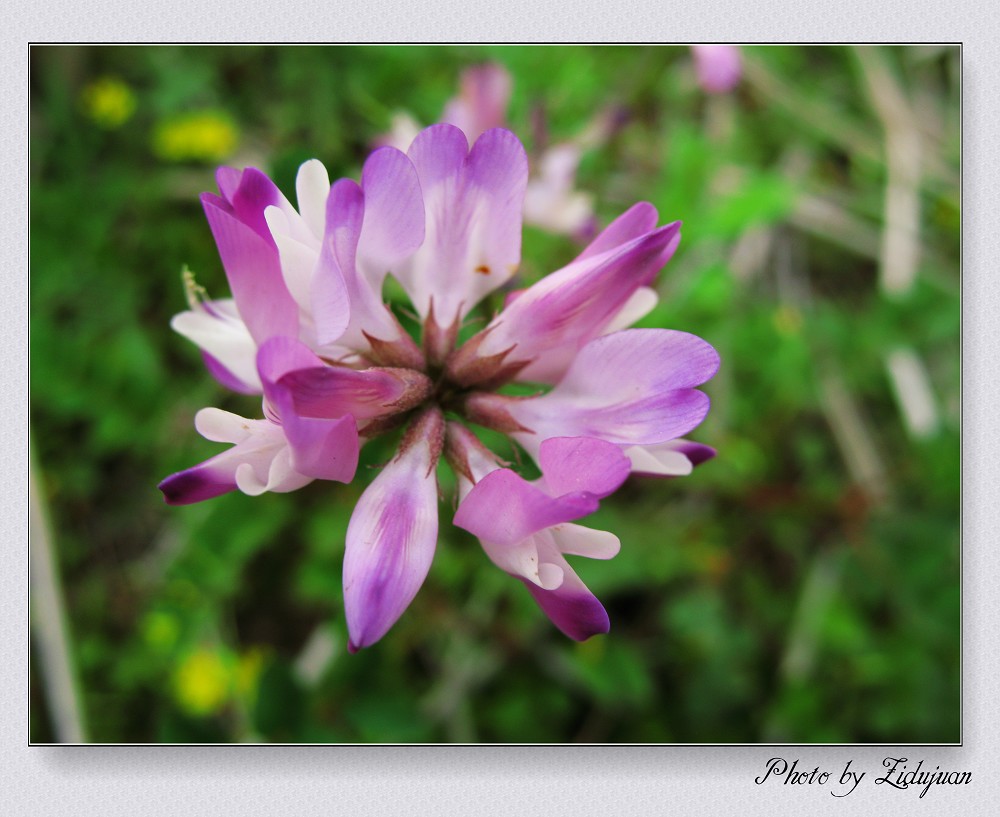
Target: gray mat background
445	780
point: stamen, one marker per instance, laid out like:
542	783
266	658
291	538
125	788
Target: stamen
195	293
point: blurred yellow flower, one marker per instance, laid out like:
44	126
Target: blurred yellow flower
108	101
204	136
202	682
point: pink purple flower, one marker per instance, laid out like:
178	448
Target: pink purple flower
719	68
308	331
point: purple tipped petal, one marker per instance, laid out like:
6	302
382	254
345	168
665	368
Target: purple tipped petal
631	388
504	509
390	542
258	461
572	608
571	464
696	452
634	223
228	180
254	193
254	274
473	203
676	458
197	484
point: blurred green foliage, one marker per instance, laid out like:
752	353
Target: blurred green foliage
778	594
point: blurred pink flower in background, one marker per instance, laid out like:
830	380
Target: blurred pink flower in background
718	67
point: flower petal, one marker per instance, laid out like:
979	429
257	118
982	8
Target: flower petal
298	259
197	484
224	339
247	194
549	322
312	186
639	304
249	465
503	508
278	477
320	448
390	543
697	453
347	310
675	458
394	214
572	607
254	273
333	391
222	426
473	203
634	223
631	388
521	559
573	464
570	604
577	540
225	377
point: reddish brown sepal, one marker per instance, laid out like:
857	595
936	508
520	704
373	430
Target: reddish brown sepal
490	411
428	427
468	369
439	342
402	353
457	443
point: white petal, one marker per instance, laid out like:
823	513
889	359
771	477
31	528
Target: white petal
248	481
281	477
659	460
520	559
639	304
298	262
312	186
222	426
577	540
226	339
550	576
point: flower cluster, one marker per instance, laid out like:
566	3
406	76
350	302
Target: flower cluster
307	328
